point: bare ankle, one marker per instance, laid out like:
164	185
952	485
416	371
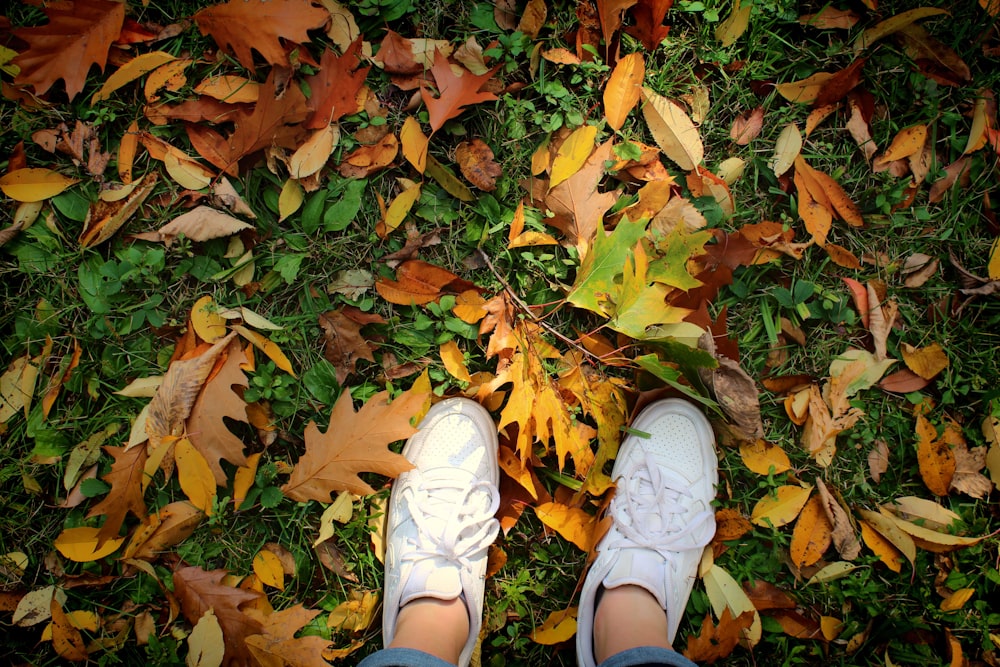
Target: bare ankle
437	627
628	617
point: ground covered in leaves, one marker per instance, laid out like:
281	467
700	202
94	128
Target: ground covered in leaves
245	245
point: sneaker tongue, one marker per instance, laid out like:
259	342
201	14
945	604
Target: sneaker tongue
432	578
639	567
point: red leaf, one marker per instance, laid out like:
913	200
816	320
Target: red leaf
335	87
455	91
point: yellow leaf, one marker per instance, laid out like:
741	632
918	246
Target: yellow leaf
205	318
267	346
929	513
314	152
893	24
786	149
830	626
414	143
34	184
572	154
881	547
557	628
80	544
935	458
12	395
267	567
401	205
764	458
130	71
781	507
889	531
724	593
673	130
623	89
957	600
735	24
290	199
196	478
206	644
572	523
80	619
812	534
340	510
925	361
454	361
355	614
932	540
993	268
805	90
907	142
541	159
243	479
230	88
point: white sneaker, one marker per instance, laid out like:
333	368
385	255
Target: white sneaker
440	522
662	515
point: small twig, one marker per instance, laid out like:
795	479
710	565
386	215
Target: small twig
527	309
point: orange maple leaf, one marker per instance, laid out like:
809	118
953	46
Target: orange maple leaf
66	47
455	91
240	26
715	642
277	643
354	442
335	87
125	495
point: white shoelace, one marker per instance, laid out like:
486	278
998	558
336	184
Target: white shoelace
651	503
454	519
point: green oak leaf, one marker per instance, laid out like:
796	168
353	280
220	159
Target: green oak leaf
595	281
675	250
639	304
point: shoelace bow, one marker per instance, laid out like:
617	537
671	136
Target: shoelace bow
651	500
454	519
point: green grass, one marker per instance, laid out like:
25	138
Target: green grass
140	295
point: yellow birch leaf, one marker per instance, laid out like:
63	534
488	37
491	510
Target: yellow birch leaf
674	132
355	614
735	24
781	507
764	458
907	142
574	524
541	159
267	567
170	75
993	268
447	179
925	361
932	540
830	626
195	476
893	24
81	619
454	361
881	547
623	89
804	91
400	207
340	510
832	572
888	529
314	152
205	318
572	154
206	644
414	143
935	458
730	170
725	593
557	628
267	346
291	198
126	152
377	526
812	534
470	307
80	544
243	479
957	600
34	184
786	149
530	238
130	71
929	513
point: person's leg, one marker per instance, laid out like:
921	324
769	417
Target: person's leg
635	593
440	526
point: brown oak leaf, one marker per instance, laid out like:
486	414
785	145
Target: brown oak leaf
335	87
716	642
260	25
354	442
476	160
455	91
277	644
578	207
649	28
343	342
74	39
200	590
206	426
125	495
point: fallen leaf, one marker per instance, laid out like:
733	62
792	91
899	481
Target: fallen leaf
343	343
313	154
673	130
927	361
455	91
844	538
893	24
206	644
354	614
277	644
623	89
76	37
786	149
804	91
358	443
126	479
200	591
202	223
957	599
734	25
418	283
267	346
713	642
747	126
724	593
32	184
812	534
578	206
878	460
935	458
559	627
572	523
884	527
572	154
66	638
968	479
780	507
195	476
414	144
162	531
267	566
928	513
764	458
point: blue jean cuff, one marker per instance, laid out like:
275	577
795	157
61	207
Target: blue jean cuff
403	657
647	656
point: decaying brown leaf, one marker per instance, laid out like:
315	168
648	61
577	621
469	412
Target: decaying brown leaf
478	165
716	642
844	538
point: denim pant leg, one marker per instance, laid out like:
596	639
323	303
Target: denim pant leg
403	657
647	656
